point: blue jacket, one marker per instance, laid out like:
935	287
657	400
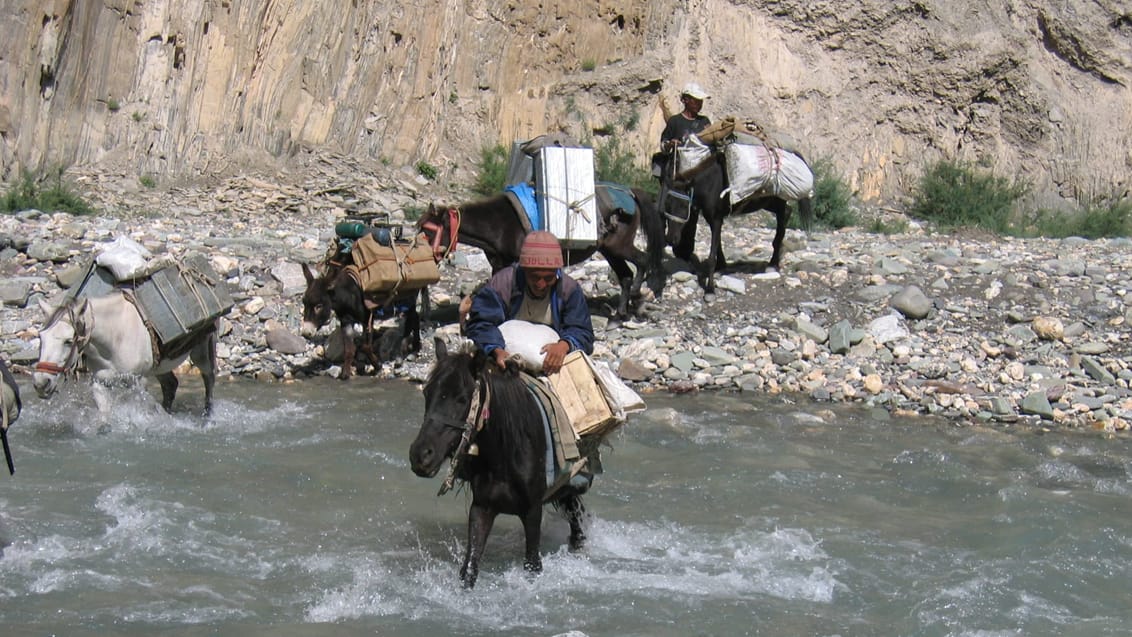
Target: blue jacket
501	298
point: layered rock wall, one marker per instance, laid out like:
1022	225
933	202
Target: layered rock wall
181	88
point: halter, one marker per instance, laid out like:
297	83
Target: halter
478	414
83	331
438	251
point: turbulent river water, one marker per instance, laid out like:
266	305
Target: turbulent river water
293	511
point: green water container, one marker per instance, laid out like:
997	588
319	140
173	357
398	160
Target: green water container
350	229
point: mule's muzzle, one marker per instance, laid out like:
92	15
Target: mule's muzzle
45	384
308	329
424	460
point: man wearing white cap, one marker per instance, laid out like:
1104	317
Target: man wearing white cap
687	122
680	125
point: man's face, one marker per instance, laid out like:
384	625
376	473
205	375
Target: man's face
540	281
692	105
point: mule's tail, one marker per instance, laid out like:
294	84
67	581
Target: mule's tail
653	226
806	213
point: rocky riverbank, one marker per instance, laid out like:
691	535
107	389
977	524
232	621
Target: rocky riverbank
972	328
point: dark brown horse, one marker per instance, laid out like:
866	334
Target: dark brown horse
494	226
472	404
708	185
337	294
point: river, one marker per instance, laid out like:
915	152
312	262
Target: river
293	511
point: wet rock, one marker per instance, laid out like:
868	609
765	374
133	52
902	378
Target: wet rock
1037	404
284	342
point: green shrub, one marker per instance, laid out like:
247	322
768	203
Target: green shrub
955	194
55	197
1094	221
138	116
492	175
427	170
112	105
149	181
615	162
832	203
588	65
880	226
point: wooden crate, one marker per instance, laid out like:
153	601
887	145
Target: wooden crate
580	396
181	298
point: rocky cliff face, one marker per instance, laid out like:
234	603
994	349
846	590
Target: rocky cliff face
182	88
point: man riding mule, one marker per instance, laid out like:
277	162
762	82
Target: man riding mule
537	291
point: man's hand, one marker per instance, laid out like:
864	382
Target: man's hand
554	354
501	357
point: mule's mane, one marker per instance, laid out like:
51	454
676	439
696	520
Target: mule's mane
514	417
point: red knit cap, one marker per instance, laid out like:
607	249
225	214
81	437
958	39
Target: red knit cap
541	251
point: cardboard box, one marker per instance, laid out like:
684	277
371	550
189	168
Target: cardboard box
564	189
581	396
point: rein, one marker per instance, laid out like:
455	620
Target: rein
438	251
82	338
478	414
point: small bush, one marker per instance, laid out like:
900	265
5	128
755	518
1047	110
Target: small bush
880	226
149	181
492	175
55	197
588	65
138	116
112	105
615	162
954	194
832	202
1094	221
427	170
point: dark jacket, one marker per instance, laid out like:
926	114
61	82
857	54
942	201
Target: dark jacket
499	301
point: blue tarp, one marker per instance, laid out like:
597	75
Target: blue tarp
526	196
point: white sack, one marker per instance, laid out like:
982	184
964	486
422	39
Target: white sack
754	169
622	399
691	153
125	258
524	340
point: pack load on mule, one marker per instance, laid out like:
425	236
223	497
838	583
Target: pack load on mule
375	255
176	298
758	162
551	178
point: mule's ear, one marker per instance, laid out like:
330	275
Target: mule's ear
45	307
441	348
307	274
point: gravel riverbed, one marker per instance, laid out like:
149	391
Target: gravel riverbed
970	327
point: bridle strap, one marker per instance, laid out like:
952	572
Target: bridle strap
437	228
83	331
478	414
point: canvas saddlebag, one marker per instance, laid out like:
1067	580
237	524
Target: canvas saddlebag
401	266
